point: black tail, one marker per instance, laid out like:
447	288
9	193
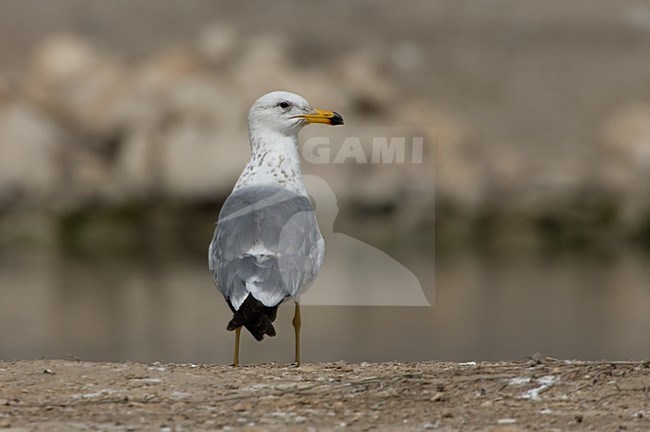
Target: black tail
257	318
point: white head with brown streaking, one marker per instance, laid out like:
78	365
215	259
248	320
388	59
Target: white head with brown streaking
274	121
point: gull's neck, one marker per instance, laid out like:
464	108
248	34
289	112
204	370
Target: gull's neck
274	161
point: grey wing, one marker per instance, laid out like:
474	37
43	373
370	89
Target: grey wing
232	238
267	244
302	247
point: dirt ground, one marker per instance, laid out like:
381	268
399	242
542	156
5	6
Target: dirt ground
542	394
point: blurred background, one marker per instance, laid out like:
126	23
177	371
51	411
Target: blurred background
527	224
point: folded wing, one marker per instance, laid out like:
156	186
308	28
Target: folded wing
267	245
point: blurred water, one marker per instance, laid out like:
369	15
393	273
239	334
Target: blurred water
483	308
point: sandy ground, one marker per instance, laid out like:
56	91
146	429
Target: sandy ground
548	394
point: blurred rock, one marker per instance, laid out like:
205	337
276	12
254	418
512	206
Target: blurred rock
447	160
77	83
626	136
361	75
185	130
626	162
263	65
31	146
218	43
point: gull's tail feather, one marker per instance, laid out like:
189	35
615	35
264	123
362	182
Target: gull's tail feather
257	318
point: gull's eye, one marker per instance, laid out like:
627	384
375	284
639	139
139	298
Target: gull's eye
284	105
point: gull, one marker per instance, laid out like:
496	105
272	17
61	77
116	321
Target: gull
267	247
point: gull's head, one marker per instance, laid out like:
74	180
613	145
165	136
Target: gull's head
286	113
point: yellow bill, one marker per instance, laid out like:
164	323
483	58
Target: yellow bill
325	117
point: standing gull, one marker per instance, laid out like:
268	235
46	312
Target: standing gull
267	247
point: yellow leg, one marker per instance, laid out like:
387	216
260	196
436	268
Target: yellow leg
237	333
296	326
